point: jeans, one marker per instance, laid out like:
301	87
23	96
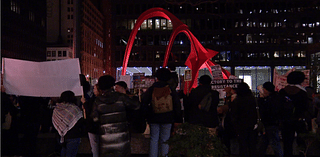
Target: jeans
94	143
70	147
159	132
271	136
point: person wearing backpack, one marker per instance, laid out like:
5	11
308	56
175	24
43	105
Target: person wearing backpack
163	108
294	106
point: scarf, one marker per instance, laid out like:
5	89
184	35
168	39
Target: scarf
64	117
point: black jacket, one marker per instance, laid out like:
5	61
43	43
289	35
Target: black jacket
299	98
243	112
202	117
168	117
269	108
110	111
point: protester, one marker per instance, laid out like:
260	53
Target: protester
226	129
110	111
295	100
269	107
203	105
316	102
174	79
121	87
163	107
244	118
92	127
311	107
68	120
9	133
136	120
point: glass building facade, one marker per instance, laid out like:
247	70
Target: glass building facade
253	38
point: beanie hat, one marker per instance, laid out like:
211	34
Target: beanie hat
268	86
122	84
106	82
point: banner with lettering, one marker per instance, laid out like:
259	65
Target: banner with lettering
221	84
280	81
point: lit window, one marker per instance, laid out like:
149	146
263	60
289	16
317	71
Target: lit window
169	24
249	39
31	16
48	53
157	26
310	40
144	24
149	23
15	7
276	54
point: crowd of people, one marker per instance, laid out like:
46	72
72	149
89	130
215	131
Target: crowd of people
108	113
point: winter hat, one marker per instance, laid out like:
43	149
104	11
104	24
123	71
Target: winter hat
106	82
296	77
122	84
268	86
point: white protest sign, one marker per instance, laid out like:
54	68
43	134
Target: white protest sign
41	79
187	75
127	79
221	84
216	72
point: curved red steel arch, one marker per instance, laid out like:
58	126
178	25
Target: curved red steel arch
198	58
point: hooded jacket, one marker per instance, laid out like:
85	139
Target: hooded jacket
110	111
299	97
200	116
173	116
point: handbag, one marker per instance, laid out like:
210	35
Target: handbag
259	126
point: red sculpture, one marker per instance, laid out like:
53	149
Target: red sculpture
199	56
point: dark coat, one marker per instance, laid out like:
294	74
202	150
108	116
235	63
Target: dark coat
168	117
91	126
299	98
202	117
110	110
269	108
244	113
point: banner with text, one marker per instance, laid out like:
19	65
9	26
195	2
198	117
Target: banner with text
41	79
280	81
221	84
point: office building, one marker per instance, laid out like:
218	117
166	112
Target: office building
23	29
253	37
